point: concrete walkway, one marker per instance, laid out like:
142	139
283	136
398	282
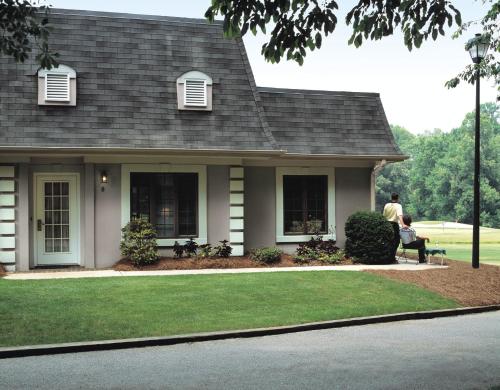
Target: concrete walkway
112	273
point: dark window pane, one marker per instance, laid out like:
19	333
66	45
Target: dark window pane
167	200
305	204
187	205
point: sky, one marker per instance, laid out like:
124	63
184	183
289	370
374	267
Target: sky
411	84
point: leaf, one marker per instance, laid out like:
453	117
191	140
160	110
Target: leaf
318	40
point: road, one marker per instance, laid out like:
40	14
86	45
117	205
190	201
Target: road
448	353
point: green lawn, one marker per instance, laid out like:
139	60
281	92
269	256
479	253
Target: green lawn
458	242
65	310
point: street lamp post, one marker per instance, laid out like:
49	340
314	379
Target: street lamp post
477	48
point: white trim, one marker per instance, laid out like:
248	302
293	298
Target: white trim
75	218
280	172
201	170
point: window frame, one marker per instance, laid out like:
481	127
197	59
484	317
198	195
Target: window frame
201	170
305	209
281	236
153	202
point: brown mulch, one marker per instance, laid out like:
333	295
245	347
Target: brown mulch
168	263
2	271
460	282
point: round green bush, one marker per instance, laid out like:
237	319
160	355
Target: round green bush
369	238
139	242
266	255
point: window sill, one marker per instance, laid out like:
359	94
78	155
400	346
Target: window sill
302	238
165	242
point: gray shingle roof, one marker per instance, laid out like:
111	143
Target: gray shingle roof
327	122
127	67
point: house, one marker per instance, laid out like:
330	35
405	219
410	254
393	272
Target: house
160	118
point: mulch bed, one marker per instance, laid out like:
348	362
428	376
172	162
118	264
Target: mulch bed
168	263
460	282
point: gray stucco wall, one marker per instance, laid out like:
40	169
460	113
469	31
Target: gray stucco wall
217	203
352	193
107	216
260	207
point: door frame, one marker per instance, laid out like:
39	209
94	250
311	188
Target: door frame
77	228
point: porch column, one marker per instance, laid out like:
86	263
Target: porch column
89	217
23	219
8	217
236	211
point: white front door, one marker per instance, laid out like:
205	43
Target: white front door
57	219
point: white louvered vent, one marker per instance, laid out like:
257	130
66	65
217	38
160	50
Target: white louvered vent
57	87
195	93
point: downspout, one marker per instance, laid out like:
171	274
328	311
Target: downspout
379	165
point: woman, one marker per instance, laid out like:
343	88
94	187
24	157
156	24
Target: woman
410	239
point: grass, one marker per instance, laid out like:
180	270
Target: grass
458	242
67	310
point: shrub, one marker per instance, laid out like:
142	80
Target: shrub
266	255
139	242
222	250
369	238
315	249
206	251
332	258
178	250
190	247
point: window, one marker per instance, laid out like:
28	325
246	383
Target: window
194	91
57	86
305	204
167	200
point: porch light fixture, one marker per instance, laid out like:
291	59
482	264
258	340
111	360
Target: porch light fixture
477	48
104	180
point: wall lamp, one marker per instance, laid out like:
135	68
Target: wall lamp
104	180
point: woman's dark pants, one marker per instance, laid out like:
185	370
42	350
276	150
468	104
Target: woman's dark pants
395	243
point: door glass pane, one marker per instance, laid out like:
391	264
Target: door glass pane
56	213
65	188
48	188
65	245
49	247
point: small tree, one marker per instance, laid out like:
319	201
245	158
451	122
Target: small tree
139	242
369	237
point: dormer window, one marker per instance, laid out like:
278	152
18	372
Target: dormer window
194	91
57	86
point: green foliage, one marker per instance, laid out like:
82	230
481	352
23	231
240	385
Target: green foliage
266	255
490	66
316	249
436	183
369	238
205	251
222	250
139	242
332	258
21	25
299	25
190	247
178	250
